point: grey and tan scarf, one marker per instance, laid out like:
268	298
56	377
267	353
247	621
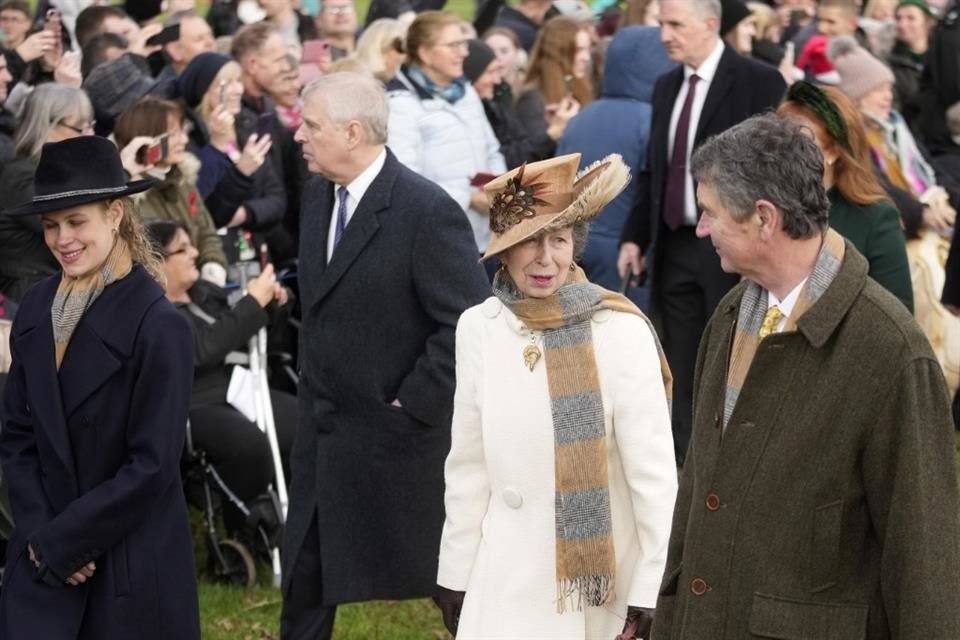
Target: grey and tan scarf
753	307
75	295
585	561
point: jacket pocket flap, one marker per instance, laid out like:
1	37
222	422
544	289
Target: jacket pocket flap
790	619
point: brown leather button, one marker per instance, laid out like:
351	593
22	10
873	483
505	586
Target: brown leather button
698	586
713	502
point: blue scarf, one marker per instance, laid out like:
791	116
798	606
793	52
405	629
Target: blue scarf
451	93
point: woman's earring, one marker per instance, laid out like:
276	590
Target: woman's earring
573	266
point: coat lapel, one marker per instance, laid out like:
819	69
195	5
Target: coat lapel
316	212
87	365
36	346
360	230
722	84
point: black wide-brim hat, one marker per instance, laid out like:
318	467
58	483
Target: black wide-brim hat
77	171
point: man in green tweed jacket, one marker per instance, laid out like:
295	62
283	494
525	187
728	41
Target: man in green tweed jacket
819	498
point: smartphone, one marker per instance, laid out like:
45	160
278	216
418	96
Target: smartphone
168	35
153	152
55	26
315	51
223	91
265	124
264	256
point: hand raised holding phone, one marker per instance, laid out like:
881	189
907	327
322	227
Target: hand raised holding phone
254	153
131	156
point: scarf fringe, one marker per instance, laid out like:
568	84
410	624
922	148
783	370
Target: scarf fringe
592	591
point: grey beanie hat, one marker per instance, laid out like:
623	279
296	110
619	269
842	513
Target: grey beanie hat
860	72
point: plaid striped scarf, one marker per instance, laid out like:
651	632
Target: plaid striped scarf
753	307
75	295
585	560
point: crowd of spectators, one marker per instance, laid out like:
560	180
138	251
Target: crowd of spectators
208	103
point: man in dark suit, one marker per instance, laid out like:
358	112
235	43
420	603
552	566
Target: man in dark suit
714	89
387	265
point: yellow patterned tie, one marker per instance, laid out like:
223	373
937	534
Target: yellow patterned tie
770	321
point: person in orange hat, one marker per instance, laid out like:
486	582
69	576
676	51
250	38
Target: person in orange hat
561	478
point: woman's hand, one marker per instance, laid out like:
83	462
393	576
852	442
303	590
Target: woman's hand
265	288
81	576
220	127
37	45
128	156
138	44
638	624
450	603
67	71
254	153
559	114
939	218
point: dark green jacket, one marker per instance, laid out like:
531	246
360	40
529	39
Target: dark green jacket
876	233
830	509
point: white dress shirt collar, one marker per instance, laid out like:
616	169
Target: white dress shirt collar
355	192
787	304
708	69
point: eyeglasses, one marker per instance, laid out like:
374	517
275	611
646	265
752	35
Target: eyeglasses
453	46
82	129
338	9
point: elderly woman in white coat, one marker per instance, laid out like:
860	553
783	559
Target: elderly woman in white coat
560	479
437	124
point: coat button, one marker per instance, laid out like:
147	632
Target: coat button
512	498
713	502
698	586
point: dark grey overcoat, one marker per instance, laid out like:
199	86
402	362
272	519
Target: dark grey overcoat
829	508
378	324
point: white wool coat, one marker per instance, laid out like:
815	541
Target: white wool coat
445	143
498	540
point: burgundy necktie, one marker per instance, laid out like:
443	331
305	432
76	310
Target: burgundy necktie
674	205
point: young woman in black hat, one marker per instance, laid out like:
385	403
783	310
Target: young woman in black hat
94	417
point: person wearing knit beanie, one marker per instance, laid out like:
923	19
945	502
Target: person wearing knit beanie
737	26
478	59
923	5
199	75
859	71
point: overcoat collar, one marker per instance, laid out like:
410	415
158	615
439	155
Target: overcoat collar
823	318
363	226
104	337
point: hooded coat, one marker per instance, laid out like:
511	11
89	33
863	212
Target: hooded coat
619	122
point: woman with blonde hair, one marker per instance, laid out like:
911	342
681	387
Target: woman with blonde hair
437	124
381	49
558	77
94	421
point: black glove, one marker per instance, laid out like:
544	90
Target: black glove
450	603
638	624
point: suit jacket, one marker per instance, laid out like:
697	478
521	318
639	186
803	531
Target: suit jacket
828	507
741	88
92	457
378	324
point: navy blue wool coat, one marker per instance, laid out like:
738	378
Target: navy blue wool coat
92	457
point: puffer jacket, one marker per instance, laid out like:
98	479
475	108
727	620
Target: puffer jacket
178	199
446	143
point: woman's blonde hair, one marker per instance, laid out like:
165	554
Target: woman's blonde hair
551	62
425	30
377	39
135	235
765	18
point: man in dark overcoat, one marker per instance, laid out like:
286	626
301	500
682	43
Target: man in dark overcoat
387	265
819	499
712	90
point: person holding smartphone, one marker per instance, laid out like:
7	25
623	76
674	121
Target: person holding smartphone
238	183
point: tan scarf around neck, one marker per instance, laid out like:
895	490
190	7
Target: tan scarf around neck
585	559
75	295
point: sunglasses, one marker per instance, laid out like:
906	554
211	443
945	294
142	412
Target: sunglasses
81	129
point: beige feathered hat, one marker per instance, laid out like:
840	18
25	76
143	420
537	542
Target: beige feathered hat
542	197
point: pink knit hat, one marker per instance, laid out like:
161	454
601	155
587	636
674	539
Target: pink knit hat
860	72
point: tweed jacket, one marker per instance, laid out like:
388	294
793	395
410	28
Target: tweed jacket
499	541
827	508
